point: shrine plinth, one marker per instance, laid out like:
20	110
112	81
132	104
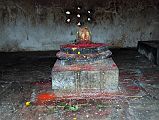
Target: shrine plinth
84	68
101	76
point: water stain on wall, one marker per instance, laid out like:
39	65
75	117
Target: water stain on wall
41	25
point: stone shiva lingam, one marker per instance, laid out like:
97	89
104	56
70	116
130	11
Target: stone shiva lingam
84	68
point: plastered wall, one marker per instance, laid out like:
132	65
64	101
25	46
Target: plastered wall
40	25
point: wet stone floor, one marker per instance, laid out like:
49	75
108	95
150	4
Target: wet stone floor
26	74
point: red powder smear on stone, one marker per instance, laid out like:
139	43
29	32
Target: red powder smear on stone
84	45
41	83
134	88
52	99
114	65
45	97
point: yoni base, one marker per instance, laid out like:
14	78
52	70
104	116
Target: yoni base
101	76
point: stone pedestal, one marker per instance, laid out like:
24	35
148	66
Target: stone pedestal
99	76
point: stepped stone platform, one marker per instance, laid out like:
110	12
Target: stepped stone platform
150	49
96	77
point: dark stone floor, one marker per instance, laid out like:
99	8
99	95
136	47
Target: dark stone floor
138	77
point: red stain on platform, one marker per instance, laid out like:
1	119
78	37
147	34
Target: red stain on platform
41	83
84	45
134	88
45	97
51	98
114	65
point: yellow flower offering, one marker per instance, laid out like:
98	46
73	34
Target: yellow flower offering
79	53
28	104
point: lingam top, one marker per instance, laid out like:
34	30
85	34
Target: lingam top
83	35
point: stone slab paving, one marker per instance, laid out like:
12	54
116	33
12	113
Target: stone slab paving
137	98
